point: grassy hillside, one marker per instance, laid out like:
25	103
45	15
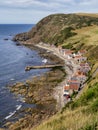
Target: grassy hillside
74	32
79	115
86	38
82	113
55	29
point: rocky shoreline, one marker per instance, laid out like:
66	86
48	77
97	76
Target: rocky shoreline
40	91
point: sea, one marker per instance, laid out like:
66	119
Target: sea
13	60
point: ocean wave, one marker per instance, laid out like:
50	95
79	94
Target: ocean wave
18	107
12	79
44	60
21	99
10	115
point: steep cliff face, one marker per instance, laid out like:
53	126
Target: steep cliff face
55	29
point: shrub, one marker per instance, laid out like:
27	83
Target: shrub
90	94
92	126
94	106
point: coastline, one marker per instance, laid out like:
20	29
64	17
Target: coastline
49	85
69	68
48	102
63	97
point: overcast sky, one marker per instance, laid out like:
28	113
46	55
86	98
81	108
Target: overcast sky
31	11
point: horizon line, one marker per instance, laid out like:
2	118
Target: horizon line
17	23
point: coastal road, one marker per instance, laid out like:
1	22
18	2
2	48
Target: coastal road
70	68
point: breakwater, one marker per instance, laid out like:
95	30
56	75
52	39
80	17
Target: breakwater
28	68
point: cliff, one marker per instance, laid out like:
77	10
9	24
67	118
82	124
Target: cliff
55	29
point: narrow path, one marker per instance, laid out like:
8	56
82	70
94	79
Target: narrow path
42	67
95	72
70	67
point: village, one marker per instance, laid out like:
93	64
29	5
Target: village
77	71
76	82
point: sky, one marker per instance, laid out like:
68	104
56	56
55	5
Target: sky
31	11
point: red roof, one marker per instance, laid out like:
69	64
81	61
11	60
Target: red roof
77	56
66	87
69	52
82	51
80	73
73	81
74	87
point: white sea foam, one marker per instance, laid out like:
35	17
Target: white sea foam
44	60
18	107
3	92
12	79
10	114
21	99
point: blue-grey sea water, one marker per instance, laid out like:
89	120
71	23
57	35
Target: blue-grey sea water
13	60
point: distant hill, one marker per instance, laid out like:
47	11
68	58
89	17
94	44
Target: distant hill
55	29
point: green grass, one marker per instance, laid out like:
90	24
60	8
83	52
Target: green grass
80	114
87	97
96	32
71	120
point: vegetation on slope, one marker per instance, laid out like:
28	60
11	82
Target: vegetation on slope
80	114
55	29
74	32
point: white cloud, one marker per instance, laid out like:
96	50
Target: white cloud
37	3
37	9
49	4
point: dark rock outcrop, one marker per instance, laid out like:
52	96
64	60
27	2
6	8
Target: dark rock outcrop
6	39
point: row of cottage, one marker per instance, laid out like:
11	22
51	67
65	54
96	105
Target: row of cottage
77	80
79	77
